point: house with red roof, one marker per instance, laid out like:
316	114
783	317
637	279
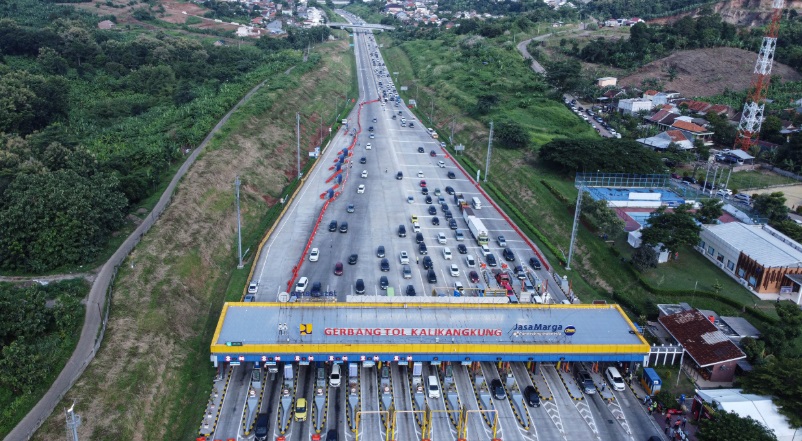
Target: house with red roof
693	131
711	355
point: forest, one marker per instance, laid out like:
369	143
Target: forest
91	121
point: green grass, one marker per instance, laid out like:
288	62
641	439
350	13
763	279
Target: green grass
754	179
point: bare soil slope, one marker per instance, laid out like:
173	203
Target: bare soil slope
704	72
739	12
150	380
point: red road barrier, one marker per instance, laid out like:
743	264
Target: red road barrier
504	215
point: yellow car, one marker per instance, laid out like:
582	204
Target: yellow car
414	218
300	409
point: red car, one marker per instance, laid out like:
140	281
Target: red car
473	277
422	183
432	153
338	269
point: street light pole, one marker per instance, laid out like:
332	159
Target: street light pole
489	150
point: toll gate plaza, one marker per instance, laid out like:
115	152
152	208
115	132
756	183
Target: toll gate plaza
293	332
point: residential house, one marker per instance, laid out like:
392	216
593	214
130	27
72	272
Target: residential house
649	94
662	140
693	130
632	106
711	355
665	97
611	23
757	256
664	117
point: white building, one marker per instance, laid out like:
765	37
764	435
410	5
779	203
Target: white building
631	106
758	407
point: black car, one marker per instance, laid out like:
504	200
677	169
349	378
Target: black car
452	223
473	276
689	179
422	248
449	190
435	221
333	225
402	231
360	286
418	237
380	251
399	176
410	291
452	175
352	259
444	207
432	153
385	265
316	290
411	125
534	263
363	160
383	282
424	191
429	201
427	262
462	249
331	435
431	276
498	389
491	260
449	216
531	396
370	129
508	255
421	150
519	272
344	227
432	210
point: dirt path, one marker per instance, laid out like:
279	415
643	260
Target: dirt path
88	345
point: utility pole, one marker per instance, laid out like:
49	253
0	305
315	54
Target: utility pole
73	421
239	225
298	135
489	149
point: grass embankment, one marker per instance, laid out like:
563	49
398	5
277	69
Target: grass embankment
152	376
755	179
540	201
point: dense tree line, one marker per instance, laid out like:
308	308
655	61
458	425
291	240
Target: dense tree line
32	335
90	121
629	9
606	155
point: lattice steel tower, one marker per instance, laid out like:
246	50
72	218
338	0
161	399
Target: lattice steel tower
752	116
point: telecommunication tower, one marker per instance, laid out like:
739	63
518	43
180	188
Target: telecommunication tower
752	116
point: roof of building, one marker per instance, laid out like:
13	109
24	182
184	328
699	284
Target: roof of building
740	154
758	407
689	126
676	135
650	92
719	109
764	244
660	115
741	326
703	341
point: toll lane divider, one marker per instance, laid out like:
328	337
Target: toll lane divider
332	198
503	214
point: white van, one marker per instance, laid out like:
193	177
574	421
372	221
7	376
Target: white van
303	282
432	387
334	378
476	203
615	379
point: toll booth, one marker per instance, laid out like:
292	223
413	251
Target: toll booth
650	381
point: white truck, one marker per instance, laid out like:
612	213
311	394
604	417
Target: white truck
476	226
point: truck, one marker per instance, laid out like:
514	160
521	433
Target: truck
504	281
459	199
477	228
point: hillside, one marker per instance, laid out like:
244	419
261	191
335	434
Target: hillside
739	12
704	72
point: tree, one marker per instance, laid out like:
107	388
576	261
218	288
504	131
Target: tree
564	75
608	155
709	211
729	426
644	257
782	379
672	230
511	134
771	206
601	215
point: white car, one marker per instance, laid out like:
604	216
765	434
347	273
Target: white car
454	270
415	227
447	253
420	174
361	188
367	146
410	199
253	288
470	261
372	135
314	255
485	250
441	164
364	173
441	238
502	242
404	257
